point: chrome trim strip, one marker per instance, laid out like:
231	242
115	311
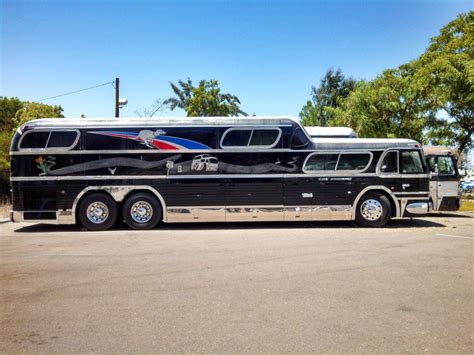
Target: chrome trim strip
377	187
412	193
220	176
156	151
45	149
258	213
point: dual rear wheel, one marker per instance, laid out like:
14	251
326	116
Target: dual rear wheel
99	211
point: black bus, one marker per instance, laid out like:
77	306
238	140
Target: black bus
144	171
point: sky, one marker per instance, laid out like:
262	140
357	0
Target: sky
268	53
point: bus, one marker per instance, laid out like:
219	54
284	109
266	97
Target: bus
211	169
444	183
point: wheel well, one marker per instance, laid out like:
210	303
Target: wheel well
146	191
393	207
88	193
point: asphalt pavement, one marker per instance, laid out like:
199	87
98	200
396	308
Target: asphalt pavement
241	287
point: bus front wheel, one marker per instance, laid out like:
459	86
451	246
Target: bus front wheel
98	212
142	211
373	210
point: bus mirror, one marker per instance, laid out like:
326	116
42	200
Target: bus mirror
383	168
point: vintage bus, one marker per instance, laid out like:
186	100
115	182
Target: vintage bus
144	171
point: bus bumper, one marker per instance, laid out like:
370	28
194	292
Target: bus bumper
419	207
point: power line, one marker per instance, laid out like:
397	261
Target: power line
75	92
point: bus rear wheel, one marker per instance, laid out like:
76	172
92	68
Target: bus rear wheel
98	212
373	210
142	211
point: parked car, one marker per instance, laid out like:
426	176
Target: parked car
467	186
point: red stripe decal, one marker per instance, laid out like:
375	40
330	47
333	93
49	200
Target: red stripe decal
162	145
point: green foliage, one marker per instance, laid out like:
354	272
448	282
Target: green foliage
406	102
204	100
446	71
32	110
392	105
333	89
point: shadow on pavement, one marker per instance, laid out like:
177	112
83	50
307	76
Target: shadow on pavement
397	223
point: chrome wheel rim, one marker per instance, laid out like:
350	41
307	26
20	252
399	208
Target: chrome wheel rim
371	210
141	212
97	212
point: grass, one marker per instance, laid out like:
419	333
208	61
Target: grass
467	205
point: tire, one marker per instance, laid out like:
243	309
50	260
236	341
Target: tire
142	211
373	210
94	219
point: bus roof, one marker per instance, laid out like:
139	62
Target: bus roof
159	121
330	132
364	143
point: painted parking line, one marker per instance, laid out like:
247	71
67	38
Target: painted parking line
454	236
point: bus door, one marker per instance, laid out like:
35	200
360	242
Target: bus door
444	182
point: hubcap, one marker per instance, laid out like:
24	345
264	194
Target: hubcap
141	212
97	212
371	210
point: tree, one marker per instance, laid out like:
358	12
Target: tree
32	110
392	105
13	113
446	71
157	106
333	89
204	100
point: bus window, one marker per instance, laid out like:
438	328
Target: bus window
256	138
264	137
446	165
431	163
236	138
321	163
34	140
62	139
354	161
390	163
411	162
299	140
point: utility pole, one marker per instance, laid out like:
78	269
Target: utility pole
117	101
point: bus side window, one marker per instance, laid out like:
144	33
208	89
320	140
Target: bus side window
390	163
446	166
432	164
299	139
411	162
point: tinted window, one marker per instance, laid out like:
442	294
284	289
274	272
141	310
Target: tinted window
411	162
264	137
446	166
353	161
299	139
63	139
34	140
237	138
390	163
319	162
431	163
